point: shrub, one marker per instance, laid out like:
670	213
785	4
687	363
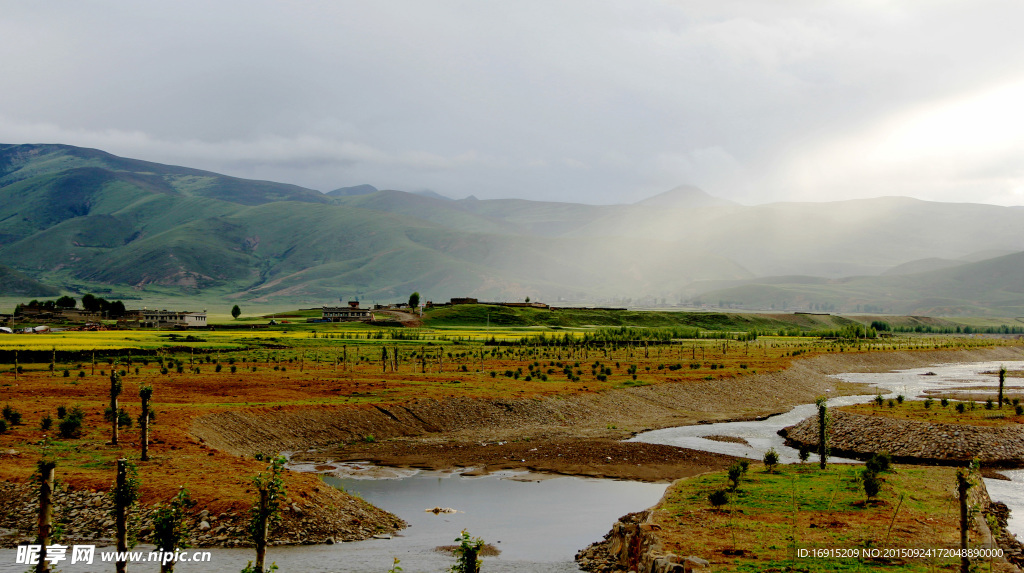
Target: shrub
988	404
718	498
880	462
217	368
3	426
899	398
944	402
1018	409
879	400
735	472
928	403
46	422
804	453
234	369
960	408
771	459
71	425
872	483
744	465
67	373
124	419
62	411
11	415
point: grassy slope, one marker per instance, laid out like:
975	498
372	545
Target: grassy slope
476	315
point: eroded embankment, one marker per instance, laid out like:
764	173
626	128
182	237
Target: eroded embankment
910	441
612	413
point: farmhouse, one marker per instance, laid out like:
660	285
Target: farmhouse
352	312
170	319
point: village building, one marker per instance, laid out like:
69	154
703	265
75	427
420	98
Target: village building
169	319
352	312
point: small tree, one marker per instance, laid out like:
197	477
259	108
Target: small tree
872	483
145	393
124	494
169	528
235	312
771	459
266	512
414	300
45	469
1002	381
735	473
822	405
467	554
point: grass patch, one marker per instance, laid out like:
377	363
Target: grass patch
770	516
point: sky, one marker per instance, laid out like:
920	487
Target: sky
577	100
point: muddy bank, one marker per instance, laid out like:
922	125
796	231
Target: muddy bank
598	457
611	414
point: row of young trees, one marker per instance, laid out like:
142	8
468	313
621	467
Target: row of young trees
170	518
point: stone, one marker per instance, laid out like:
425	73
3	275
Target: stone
204	525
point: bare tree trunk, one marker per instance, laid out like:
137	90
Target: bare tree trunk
114	391
121	512
45	513
961	489
144	438
261	531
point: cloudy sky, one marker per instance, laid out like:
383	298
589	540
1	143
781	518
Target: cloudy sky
574	100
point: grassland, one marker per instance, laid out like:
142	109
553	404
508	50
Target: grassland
772	515
975	412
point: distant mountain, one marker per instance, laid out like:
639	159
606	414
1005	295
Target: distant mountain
432	194
989	287
82	219
352	191
685	196
921	266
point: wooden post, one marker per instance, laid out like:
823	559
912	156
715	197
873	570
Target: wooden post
962	485
121	511
45	512
115	390
261	530
145	393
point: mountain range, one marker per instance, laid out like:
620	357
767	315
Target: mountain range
78	220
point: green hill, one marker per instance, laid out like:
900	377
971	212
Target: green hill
85	220
13	283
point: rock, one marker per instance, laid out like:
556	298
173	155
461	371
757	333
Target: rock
203	525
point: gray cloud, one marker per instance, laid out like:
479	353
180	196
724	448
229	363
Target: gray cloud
575	100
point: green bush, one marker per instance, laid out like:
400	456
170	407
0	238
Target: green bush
872	483
960	408
880	462
771	459
71	425
718	498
